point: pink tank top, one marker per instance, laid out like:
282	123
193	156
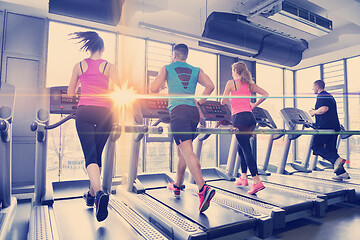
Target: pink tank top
240	104
94	86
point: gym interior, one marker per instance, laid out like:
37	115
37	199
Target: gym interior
287	45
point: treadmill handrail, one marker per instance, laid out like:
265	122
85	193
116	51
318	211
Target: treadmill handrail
55	125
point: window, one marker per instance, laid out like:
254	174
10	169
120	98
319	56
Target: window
305	100
208	63
271	80
131	67
334	84
289	102
157	153
65	157
354	109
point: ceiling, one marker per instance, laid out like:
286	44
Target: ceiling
189	16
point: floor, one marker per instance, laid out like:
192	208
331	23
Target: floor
342	221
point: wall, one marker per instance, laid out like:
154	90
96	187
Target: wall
23	66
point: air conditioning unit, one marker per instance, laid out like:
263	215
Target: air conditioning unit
296	17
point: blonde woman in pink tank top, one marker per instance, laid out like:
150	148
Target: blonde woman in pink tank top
243	119
94	115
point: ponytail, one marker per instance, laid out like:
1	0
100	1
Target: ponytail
91	41
245	75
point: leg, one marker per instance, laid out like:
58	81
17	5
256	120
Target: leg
192	162
94	175
87	140
242	163
325	146
244	143
181	167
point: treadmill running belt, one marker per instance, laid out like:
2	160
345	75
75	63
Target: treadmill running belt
214	217
306	184
76	221
268	195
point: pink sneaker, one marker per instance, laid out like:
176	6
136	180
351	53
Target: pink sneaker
242	182
205	197
171	187
256	187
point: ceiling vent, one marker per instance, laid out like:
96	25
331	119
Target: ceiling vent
269	45
291	15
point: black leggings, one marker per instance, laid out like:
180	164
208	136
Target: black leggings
245	122
93	125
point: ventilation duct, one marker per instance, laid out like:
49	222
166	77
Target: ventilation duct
271	46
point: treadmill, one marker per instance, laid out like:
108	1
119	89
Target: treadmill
284	176
289	115
180	218
8	204
294	204
59	212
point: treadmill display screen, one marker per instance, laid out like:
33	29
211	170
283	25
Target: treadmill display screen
155	108
214	111
66	99
61	103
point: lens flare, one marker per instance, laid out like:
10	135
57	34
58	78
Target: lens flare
124	96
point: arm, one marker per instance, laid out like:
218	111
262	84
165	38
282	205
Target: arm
74	82
256	89
226	93
319	111
114	76
159	81
205	81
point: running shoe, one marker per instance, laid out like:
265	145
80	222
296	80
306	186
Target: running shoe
339	163
90	200
205	197
242	182
256	187
101	203
341	177
171	186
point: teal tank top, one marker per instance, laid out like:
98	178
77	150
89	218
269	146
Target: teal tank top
182	80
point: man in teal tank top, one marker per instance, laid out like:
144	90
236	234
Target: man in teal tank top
182	79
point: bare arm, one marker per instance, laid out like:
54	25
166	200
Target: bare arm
159	81
226	92
264	94
205	81
74	82
319	111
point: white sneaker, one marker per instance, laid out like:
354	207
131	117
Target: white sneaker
342	177
339	163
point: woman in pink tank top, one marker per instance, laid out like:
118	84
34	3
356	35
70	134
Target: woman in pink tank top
94	115
243	119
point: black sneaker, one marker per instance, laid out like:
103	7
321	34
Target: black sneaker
101	203
90	200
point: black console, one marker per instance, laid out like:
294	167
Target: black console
214	111
60	103
294	116
263	118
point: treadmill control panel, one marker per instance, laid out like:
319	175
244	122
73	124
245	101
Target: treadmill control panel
294	116
263	118
60	103
214	111
155	108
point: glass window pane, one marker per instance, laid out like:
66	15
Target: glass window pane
305	100
64	148
270	79
131	67
354	109
208	63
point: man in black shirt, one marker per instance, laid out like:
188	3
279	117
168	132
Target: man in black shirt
326	117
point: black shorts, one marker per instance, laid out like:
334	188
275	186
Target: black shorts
183	122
